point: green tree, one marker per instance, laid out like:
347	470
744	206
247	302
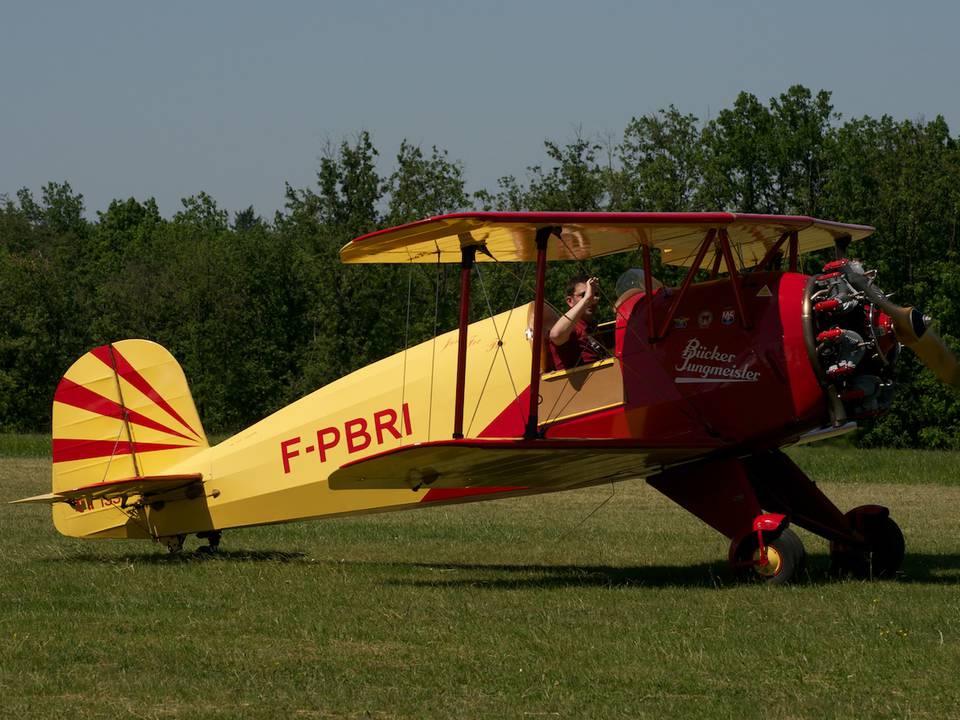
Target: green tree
45	300
421	187
575	182
349	190
737	158
801	136
903	178
661	162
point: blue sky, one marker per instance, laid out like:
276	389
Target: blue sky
234	98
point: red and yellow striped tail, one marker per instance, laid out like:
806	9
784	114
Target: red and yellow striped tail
122	411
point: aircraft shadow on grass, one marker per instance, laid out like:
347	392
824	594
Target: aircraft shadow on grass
930	569
501	577
924	568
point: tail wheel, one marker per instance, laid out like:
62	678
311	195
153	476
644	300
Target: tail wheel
785	558
883	550
213	539
173	543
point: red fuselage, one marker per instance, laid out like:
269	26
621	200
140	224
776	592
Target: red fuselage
711	379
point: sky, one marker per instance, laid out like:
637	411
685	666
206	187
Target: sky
165	100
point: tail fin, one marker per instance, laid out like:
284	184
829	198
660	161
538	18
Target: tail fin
122	411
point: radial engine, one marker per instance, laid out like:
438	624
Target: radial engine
852	342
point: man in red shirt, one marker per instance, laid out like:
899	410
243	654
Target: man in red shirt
571	343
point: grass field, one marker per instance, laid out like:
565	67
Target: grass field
520	608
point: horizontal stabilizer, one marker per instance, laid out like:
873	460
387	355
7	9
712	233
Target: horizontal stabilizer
123	488
477	463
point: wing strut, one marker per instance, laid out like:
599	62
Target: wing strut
543	235
467	255
707	242
841	244
774	250
794	251
648	289
735	278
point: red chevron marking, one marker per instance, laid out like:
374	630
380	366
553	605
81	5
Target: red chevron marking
66	449
132	376
70	393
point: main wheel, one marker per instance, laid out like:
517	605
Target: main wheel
785	561
883	555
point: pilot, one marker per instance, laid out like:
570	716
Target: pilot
571	337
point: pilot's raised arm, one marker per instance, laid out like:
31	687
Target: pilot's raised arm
570	337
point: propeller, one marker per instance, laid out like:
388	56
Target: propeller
911	327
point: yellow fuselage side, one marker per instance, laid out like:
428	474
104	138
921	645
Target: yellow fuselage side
277	469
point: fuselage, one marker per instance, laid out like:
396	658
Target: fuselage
713	382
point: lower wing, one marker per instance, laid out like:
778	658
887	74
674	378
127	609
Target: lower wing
533	464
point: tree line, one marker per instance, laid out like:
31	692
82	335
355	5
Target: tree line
259	311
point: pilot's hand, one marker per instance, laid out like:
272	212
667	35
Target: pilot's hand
593	288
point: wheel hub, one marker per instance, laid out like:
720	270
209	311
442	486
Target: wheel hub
773	563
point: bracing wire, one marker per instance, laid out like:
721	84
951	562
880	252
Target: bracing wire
523	284
113	453
739	250
570	531
493	360
499	349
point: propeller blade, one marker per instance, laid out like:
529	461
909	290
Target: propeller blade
934	353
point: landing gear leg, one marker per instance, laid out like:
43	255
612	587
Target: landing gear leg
173	543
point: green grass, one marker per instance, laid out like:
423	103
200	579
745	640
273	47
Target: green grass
846	464
24	445
508	609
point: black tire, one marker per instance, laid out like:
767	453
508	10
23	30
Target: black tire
880	560
787	559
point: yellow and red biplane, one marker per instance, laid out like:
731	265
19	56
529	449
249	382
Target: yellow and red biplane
702	387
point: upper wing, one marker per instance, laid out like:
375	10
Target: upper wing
479	463
510	237
124	488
